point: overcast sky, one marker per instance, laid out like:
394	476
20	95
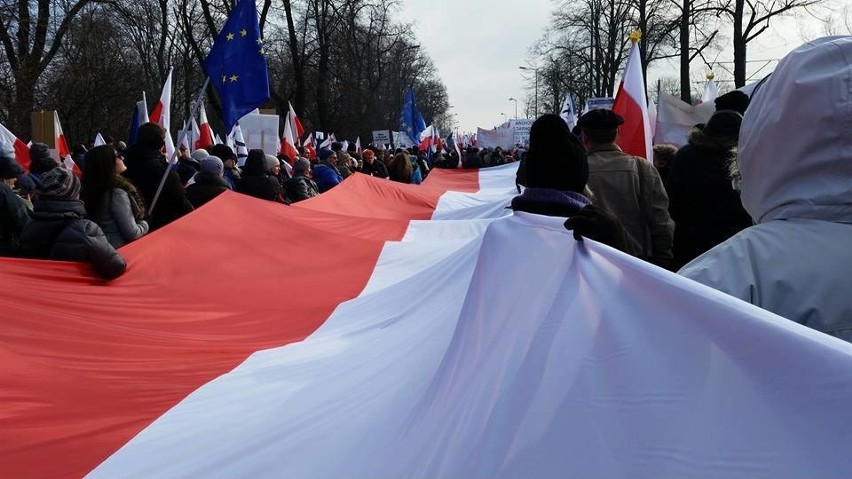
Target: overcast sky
477	46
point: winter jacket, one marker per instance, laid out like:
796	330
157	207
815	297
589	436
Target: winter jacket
232	178
796	260
187	168
549	202
326	176
300	187
632	190
14	215
205	188
376	168
257	182
702	201
145	169
59	230
117	218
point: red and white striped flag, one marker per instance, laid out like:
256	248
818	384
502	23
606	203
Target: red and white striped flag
295	125
61	152
631	103
161	114
358	145
288	146
205	132
22	151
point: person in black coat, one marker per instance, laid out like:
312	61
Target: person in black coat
556	173
14	214
209	182
373	167
703	203
59	229
258	179
146	166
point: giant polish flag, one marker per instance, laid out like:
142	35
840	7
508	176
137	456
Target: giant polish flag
634	136
427	332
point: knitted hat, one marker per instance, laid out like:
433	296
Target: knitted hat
302	166
324	154
724	124
59	183
556	159
199	155
733	100
9	168
337	146
213	165
271	162
40	160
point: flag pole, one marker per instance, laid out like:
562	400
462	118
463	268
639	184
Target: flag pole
196	106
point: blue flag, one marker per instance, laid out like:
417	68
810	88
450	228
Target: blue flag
237	64
410	120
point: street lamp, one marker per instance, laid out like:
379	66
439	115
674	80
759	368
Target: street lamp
516	106
536	87
504	117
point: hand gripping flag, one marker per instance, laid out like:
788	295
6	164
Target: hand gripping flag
410	120
635	134
237	64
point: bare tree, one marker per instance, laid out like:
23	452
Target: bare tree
751	18
31	34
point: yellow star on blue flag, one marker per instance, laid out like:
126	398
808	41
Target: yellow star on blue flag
410	120
238	62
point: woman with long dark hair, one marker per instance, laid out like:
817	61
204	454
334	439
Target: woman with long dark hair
111	200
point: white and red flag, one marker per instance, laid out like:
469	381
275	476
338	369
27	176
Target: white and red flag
22	150
358	145
205	132
457	340
329	139
310	146
161	114
295	125
61	152
288	144
631	103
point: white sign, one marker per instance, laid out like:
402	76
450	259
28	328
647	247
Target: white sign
599	103
502	137
261	132
381	137
522	130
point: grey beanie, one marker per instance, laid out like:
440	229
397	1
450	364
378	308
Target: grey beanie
213	165
199	155
271	162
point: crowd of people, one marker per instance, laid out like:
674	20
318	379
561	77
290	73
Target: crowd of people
684	210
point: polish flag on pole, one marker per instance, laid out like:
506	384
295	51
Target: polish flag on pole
161	114
328	141
288	146
631	103
711	91
358	145
458	143
22	151
426	138
295	125
61	150
205	133
310	146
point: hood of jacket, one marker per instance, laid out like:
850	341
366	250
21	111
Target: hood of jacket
795	149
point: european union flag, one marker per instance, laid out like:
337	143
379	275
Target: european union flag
237	64
410	120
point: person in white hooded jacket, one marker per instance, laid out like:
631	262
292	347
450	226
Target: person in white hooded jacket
795	158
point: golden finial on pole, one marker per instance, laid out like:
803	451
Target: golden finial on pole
635	35
710	76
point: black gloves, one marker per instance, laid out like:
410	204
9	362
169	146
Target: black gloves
600	225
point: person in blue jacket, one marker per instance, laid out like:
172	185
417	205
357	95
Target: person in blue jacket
325	173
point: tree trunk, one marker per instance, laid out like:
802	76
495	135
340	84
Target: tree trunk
23	106
739	45
298	68
685	87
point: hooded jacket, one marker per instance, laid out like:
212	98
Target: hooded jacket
796	171
60	231
145	168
